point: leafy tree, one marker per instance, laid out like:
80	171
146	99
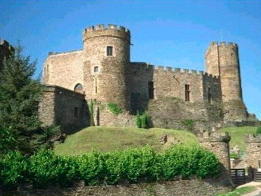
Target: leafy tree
19	98
258	131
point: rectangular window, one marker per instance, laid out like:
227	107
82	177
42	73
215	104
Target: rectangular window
96	69
109	50
76	112
151	89
187	92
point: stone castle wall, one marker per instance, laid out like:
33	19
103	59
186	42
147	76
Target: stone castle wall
218	143
64	69
63	107
253	151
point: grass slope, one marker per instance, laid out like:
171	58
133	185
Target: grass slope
107	139
238	135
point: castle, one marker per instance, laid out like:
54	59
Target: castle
102	73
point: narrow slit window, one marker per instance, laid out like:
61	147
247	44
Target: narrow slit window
209	96
187	92
109	50
96	88
151	89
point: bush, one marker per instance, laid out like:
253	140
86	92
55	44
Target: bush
185	162
48	169
114	108
258	131
132	165
13	169
143	120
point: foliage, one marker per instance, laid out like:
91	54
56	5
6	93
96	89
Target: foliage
239	191
19	98
48	169
132	165
234	155
143	120
183	161
13	169
114	108
188	124
258	131
7	140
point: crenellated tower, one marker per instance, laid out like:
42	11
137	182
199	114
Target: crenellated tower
222	59
106	57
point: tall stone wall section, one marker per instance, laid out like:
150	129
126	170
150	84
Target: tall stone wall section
253	151
222	60
64	69
218	143
63	107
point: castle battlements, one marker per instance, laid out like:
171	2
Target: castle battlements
160	68
106	30
215	45
107	27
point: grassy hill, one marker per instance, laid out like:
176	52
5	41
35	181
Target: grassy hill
109	139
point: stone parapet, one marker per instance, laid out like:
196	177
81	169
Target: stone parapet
106	30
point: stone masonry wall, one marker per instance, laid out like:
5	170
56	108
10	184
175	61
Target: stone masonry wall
64	69
253	151
63	107
217	143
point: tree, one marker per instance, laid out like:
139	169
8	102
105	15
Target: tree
19	98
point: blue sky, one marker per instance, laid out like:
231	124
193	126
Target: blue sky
170	33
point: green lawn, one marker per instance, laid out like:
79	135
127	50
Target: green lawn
110	139
239	191
238	135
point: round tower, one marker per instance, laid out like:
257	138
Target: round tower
222	60
106	57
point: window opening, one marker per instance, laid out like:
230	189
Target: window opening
151	89
96	69
109	50
187	92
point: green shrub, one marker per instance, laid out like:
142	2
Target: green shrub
46	168
114	108
13	169
258	131
184	161
234	155
188	124
143	120
91	168
132	165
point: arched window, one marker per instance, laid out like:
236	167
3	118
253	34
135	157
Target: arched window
96	69
78	88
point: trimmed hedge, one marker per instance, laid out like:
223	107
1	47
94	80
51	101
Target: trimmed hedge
133	165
